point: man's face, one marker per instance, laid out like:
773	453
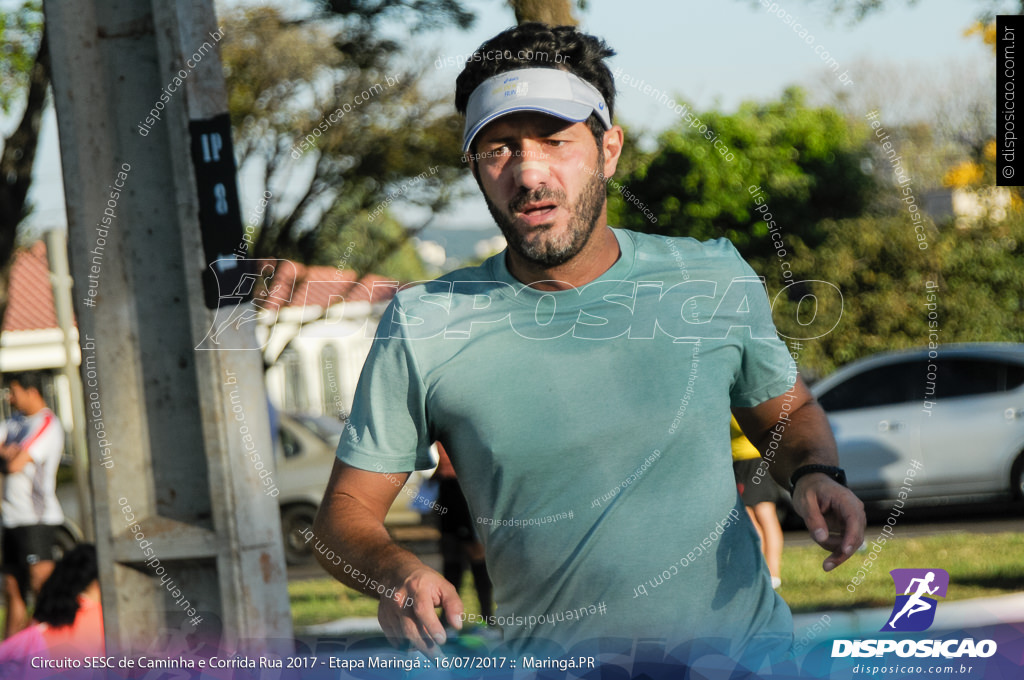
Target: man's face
541	178
16	395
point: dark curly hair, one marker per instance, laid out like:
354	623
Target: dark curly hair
29	380
537	45
58	598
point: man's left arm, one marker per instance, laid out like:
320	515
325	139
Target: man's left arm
797	426
16	458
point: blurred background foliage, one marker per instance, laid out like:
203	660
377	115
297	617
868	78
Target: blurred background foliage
859	273
807	160
287	78
847	231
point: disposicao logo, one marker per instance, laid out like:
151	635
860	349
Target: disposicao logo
914	611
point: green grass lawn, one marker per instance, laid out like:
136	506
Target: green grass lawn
978	565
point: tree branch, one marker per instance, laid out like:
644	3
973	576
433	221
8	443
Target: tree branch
17	162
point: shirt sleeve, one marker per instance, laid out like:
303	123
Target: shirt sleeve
767	369
387	429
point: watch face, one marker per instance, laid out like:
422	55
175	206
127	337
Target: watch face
836	473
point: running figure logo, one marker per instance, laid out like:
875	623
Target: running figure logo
914	610
251	295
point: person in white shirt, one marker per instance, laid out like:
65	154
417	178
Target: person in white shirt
31	444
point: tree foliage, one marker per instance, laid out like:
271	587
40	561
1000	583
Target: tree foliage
808	162
24	79
881	271
855	283
290	73
419	15
20	31
320	107
381	247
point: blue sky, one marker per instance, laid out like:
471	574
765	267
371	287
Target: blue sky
721	53
709	53
727	51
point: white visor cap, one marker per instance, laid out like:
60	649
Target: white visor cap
546	90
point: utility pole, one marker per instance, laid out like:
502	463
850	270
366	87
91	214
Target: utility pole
187	532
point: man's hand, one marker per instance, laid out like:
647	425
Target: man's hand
14	458
424	589
351	523
834	516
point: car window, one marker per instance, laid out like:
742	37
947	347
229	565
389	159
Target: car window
966	377
889	384
1014	376
913	380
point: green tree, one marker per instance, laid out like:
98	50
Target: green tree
418	15
24	78
808	162
382	246
287	73
877	267
337	128
880	269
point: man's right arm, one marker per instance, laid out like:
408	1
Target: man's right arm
351	523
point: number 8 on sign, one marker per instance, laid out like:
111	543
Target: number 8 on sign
221	194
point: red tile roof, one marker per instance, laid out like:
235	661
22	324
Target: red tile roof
316	285
30	306
30	302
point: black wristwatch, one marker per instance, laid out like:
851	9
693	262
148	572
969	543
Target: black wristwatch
836	473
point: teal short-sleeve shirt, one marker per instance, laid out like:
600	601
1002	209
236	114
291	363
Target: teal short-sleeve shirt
590	432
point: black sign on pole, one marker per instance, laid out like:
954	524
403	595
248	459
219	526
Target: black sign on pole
220	219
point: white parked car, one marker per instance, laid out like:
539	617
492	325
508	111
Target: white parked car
958	410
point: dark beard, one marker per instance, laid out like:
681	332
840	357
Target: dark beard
583	219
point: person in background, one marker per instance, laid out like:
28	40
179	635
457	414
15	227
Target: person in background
759	499
68	616
459	542
32	444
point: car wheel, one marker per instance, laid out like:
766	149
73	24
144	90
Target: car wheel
296	522
1017	479
63	542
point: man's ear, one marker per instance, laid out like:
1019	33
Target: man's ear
476	172
613	141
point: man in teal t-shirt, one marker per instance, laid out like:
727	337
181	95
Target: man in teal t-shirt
581	382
